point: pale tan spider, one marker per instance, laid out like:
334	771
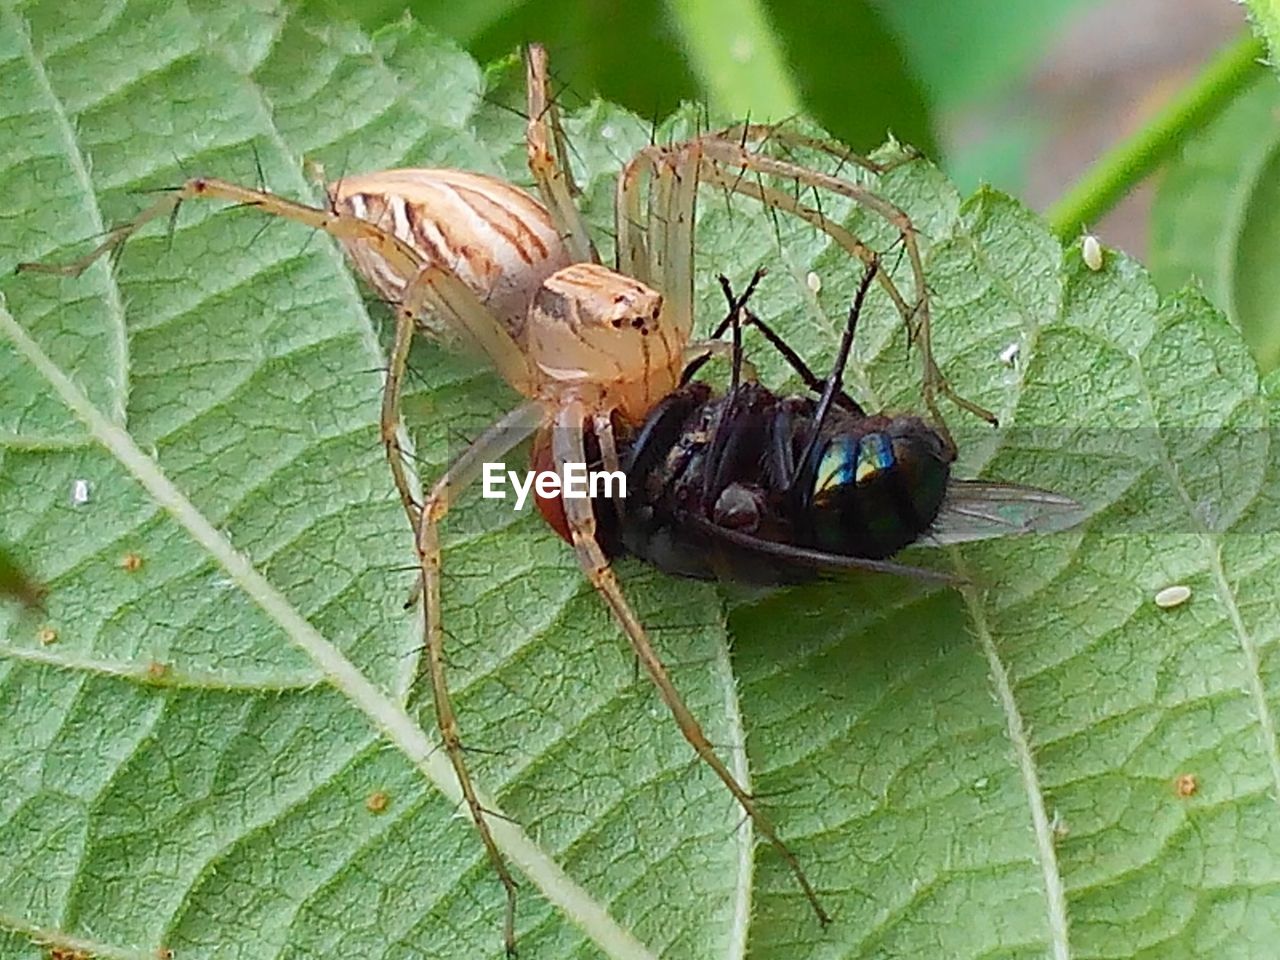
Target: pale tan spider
591	349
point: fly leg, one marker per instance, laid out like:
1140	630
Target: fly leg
794	360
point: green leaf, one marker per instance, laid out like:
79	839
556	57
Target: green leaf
1215	218
1266	14
192	763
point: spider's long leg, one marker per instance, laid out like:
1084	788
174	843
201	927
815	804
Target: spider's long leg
394	441
685	166
453	302
568	447
438	289
395	256
630	221
655	194
399	255
782	133
549	158
602	427
493	444
676	191
735	156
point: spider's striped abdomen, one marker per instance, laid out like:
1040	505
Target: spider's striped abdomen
493	236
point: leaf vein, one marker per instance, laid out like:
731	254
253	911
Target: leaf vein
49	937
1226	595
1024	754
79	165
145	674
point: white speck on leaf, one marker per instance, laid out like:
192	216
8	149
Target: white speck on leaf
81	491
1091	252
1173	596
1009	355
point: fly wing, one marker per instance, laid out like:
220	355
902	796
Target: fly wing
819	561
979	510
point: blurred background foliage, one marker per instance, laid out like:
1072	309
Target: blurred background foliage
861	67
1022	94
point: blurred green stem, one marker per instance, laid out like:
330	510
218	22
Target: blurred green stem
736	55
1116	173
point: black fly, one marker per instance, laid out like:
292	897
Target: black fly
750	486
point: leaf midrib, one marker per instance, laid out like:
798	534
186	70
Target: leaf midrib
385	715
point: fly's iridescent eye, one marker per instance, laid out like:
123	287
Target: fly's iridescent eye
836	468
848	462
872	495
875	455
